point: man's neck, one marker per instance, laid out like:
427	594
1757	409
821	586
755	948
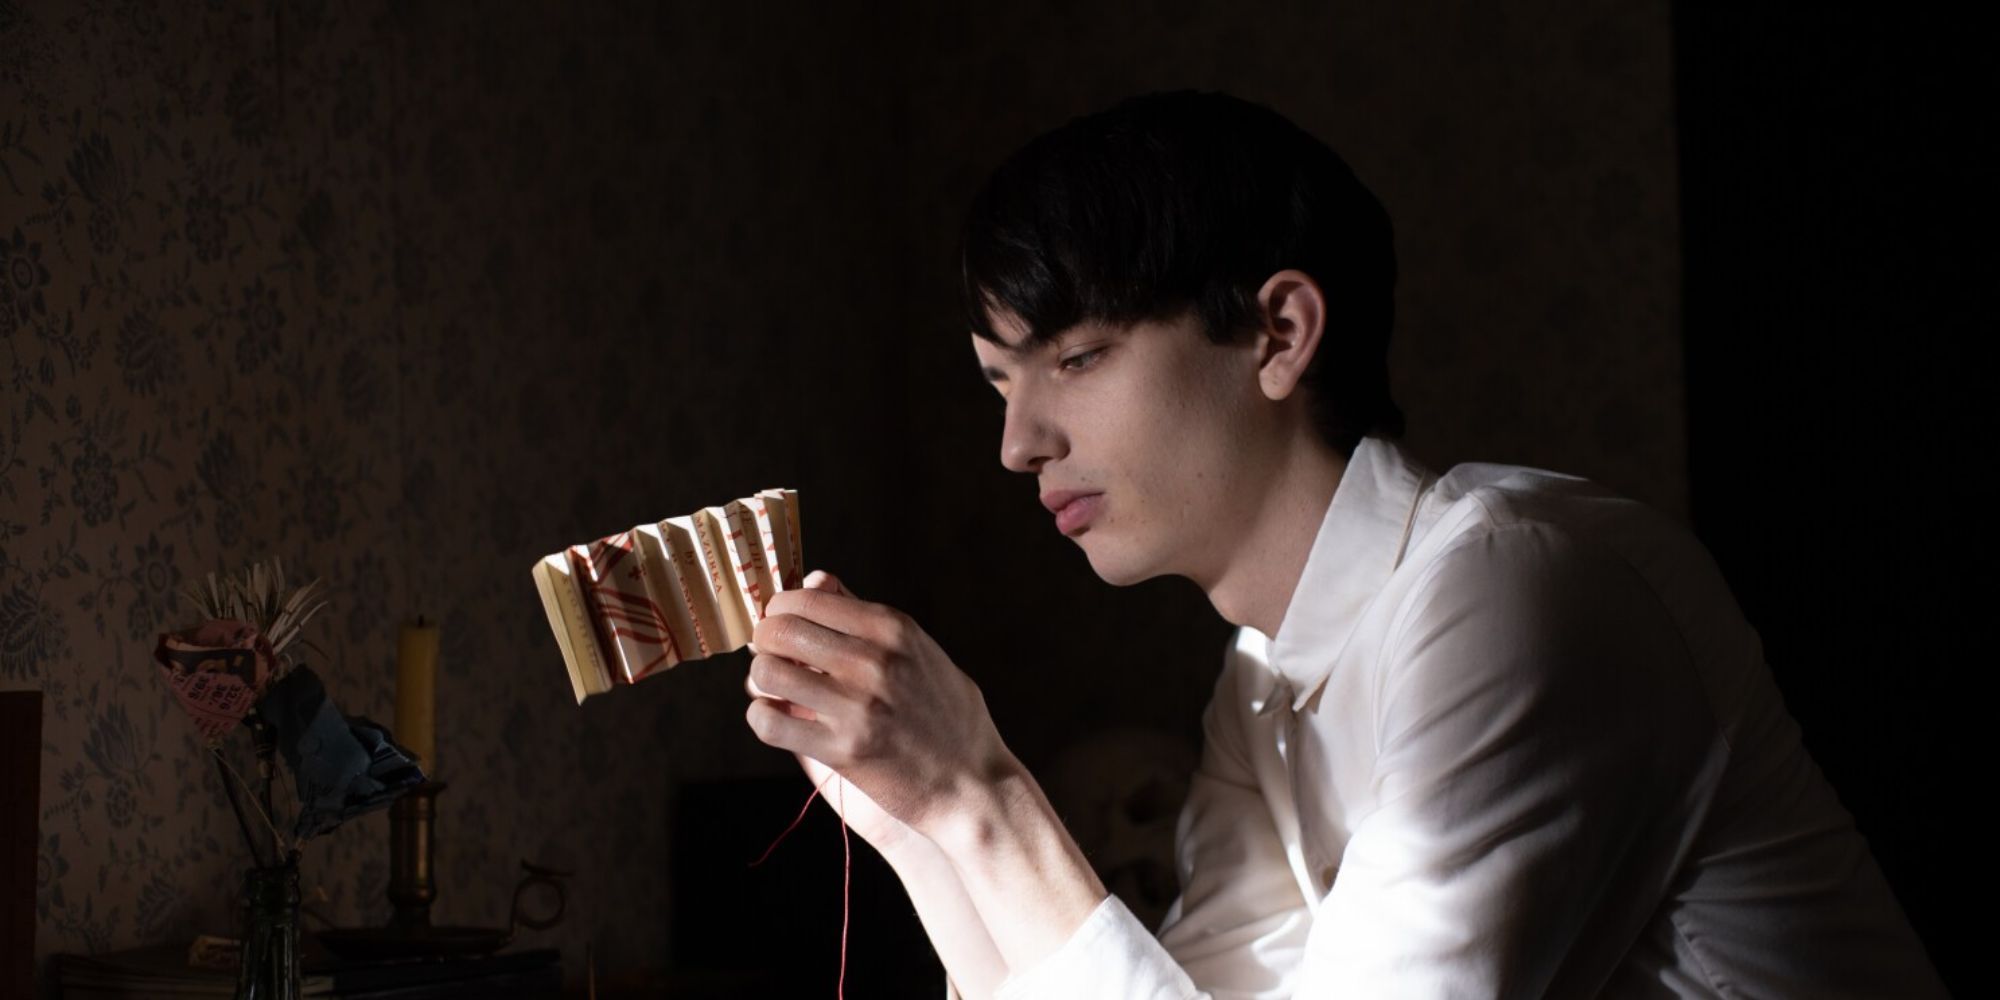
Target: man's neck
1258	576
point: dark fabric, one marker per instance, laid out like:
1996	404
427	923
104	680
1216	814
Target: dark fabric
346	765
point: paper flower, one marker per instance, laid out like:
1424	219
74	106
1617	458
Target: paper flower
217	671
235	668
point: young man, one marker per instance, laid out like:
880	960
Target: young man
1498	732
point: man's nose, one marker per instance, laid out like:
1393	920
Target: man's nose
1028	437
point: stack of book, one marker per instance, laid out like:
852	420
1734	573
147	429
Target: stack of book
633	604
162	971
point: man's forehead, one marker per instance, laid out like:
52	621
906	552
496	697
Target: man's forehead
1014	347
1012	331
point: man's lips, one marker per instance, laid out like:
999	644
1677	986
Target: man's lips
1073	509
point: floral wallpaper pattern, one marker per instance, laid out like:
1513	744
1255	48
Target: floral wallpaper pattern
406	295
409	294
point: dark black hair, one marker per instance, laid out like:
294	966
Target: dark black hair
1186	202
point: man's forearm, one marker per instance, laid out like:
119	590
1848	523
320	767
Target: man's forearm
1025	876
948	916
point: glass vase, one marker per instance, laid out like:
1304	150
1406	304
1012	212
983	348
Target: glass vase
270	966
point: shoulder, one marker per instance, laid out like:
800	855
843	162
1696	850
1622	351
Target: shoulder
1475	495
1523	563
1524	612
1530	531
1508	579
1527	634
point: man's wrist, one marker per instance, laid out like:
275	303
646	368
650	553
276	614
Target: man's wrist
1028	879
910	850
980	809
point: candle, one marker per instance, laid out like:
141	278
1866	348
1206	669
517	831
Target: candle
416	692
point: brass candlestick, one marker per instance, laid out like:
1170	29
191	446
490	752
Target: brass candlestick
413	888
412	859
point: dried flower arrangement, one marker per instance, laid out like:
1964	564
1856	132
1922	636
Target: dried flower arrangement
237	666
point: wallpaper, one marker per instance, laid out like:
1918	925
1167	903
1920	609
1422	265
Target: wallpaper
409	295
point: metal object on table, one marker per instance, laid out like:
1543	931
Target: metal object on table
413	888
412	856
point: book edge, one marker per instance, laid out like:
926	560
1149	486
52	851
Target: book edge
552	607
597	677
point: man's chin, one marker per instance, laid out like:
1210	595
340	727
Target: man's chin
1114	566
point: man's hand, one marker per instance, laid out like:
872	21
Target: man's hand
858	687
855	808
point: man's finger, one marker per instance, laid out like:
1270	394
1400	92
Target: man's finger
781	729
837	611
778	677
796	711
818	579
808	642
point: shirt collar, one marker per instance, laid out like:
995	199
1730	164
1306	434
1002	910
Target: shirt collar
1360	543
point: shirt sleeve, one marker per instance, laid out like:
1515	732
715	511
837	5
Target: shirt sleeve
1545	756
1239	927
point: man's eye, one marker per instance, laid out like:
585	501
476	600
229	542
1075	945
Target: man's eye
1087	358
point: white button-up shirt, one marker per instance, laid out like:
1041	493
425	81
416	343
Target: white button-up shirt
1513	738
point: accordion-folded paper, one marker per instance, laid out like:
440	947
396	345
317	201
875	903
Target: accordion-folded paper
630	605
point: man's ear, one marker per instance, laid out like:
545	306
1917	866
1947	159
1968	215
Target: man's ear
1294	318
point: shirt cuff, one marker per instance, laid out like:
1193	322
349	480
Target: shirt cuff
1110	954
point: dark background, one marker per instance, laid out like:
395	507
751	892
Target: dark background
1831	227
412	294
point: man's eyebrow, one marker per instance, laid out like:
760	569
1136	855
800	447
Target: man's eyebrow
992	374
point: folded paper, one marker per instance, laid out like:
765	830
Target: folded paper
633	604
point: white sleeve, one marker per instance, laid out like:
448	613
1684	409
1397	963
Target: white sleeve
1239	926
1545	756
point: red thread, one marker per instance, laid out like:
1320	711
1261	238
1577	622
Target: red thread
788	830
847	866
846	886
